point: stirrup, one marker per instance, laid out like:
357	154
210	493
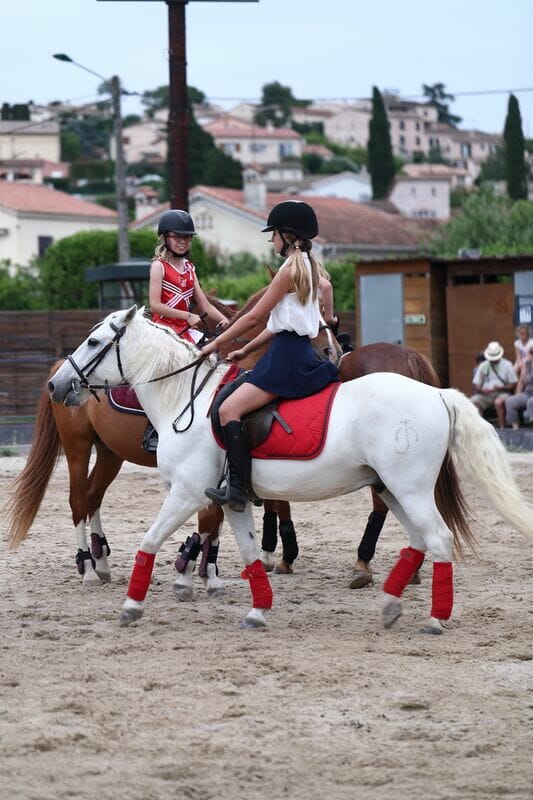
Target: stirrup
236	499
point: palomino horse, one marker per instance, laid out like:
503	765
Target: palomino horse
117	437
385	431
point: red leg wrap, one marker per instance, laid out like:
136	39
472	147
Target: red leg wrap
259	584
140	577
410	560
442	590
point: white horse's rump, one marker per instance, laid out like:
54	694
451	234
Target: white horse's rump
385	430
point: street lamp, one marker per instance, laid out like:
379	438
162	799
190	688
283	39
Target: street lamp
120	172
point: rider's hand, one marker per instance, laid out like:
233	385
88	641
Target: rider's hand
193	320
223	323
210	347
236	355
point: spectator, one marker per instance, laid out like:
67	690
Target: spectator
523	399
494	380
521	346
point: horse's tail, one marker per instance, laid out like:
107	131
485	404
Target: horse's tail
452	505
477	448
28	488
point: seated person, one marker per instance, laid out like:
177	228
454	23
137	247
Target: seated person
523	399
493	381
521	346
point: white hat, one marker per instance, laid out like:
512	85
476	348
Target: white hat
494	351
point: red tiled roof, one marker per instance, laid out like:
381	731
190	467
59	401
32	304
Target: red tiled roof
40	199
341	221
236	129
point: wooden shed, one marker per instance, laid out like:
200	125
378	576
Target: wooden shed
446	309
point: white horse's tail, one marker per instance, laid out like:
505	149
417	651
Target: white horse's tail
478	450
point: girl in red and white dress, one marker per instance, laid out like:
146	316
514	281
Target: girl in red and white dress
173	281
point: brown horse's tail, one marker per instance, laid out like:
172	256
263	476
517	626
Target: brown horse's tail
28	488
449	497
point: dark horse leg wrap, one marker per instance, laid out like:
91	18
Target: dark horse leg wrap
209	556
98	543
270	531
188	552
81	557
367	545
288	538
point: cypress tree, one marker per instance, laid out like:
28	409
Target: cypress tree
515	162
380	158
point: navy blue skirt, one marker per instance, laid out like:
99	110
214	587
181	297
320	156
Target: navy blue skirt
290	368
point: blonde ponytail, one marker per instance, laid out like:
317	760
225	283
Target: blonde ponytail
299	273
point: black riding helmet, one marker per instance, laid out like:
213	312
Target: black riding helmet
293	216
176	221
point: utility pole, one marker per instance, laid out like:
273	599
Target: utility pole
178	111
120	175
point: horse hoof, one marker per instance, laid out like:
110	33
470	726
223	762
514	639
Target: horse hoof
218	591
391	612
105	577
254	620
361	578
90	581
432	628
415	580
268	560
129	615
283	569
183	593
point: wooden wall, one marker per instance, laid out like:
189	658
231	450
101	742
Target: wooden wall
30	342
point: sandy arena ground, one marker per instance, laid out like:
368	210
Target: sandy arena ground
324	704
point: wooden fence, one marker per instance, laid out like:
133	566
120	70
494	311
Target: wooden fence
30	342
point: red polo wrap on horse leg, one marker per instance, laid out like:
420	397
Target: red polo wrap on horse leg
410	560
442	604
259	584
140	577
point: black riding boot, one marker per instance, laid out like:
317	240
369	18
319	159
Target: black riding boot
150	438
235	492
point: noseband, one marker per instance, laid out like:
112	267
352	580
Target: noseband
83	373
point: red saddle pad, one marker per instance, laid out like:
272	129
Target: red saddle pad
308	419
123	398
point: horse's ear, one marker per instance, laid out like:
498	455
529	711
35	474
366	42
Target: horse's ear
130	313
270	271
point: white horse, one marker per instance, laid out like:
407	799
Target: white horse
385	430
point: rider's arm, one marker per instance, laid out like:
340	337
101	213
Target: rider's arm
205	307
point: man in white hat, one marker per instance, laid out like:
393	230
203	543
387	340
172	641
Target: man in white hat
494	380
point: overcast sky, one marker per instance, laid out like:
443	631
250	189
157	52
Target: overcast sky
321	49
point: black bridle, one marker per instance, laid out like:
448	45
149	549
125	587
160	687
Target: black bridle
83	373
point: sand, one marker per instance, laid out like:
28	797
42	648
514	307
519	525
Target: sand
325	703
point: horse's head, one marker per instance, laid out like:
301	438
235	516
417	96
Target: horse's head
95	362
326	345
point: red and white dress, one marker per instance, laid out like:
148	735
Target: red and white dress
177	290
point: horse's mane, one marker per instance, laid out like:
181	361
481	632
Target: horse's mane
250	303
155	350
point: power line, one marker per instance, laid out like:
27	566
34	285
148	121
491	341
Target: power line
346	99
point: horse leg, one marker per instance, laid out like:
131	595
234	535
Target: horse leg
210	520
361	573
243	527
103	474
288	539
174	512
270	534
77	440
427	531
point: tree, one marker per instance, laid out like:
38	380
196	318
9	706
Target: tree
380	158
155	99
276	105
441	100
515	163
489	223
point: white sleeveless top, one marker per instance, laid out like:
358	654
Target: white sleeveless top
291	315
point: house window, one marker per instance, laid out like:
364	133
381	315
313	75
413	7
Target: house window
402	140
285	149
466	150
433	192
417	126
402	125
418	140
257	147
43	243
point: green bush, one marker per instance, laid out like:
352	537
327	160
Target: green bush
62	270
20	292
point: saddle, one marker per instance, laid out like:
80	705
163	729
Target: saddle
283	429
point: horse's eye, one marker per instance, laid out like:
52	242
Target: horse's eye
93	342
